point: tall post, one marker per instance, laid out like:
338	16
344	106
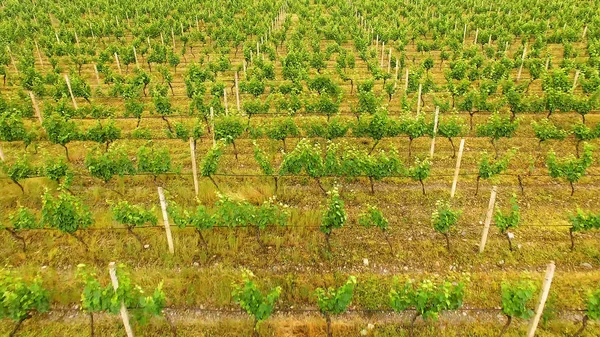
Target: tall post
118	63
406	81
112	271
36	107
543	297
137	64
37	48
435	127
194	165
382	52
237	92
212	122
97	75
488	220
390	61
225	101
71	92
457	169
575	79
419	100
163	206
522	61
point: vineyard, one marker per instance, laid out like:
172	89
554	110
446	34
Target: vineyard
300	168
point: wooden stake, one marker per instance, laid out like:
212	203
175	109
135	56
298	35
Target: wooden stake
547	63
118	63
476	35
457	169
419	100
390	61
584	31
162	39
543	297
96	73
194	166
465	34
173	38
575	80
39	54
2	155
237	92
488	220
76	37
112	271
435	127
137	64
406	81
382	53
163	206
35	107
71	92
396	75
244	65
522	61
12	60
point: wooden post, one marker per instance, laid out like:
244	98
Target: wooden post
56	35
37	48
36	107
12	60
76	37
225	101
162	39
396	76
488	220
96	73
237	92
522	61
244	65
194	166
173	38
112	270
406	81
382	52
163	206
547	63
543	297
257	48
419	100
575	80
2	155
435	127
118	63
457	169
71	92
212	121
476	35
137	64
390	61
465	34
584	31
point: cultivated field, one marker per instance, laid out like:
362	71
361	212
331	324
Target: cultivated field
300	168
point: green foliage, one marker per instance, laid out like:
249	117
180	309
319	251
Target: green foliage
252	300
546	130
210	162
516	299
333	301
498	127
19	170
98	298
373	217
583	221
592	309
104	133
56	169
65	212
571	169
427	298
335	214
229	128
152	160
106	165
61	131
19	299
489	169
420	171
23	218
263	161
509	220
133	215
444	218
334	128
304	157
